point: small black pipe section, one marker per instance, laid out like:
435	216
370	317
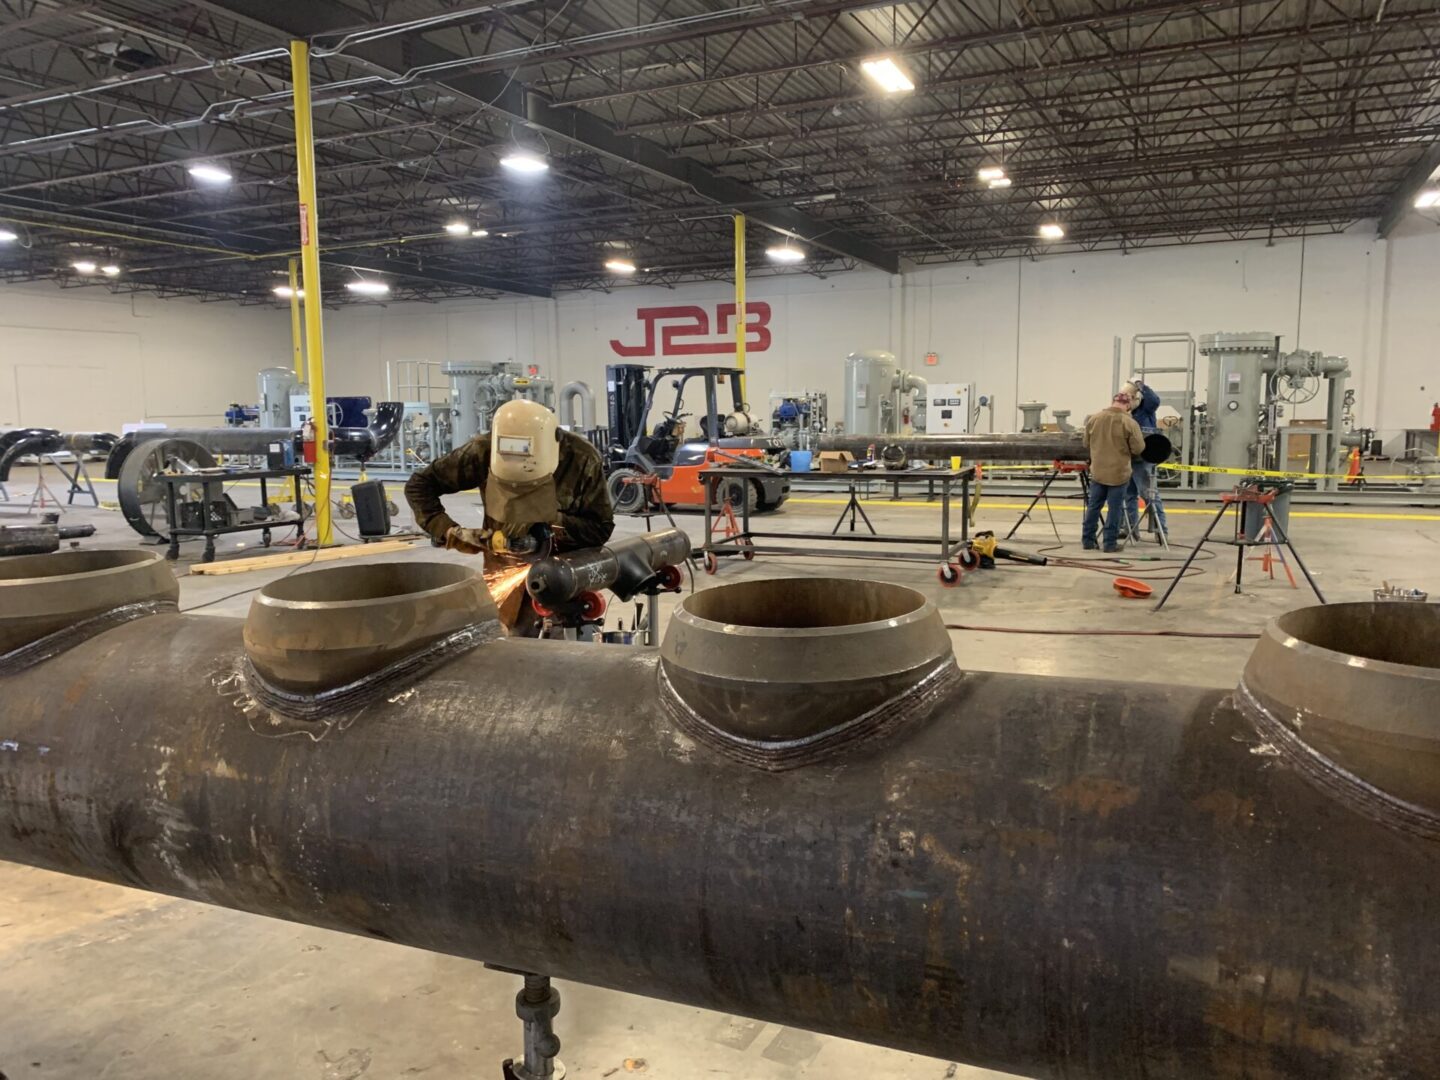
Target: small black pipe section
39	539
625	567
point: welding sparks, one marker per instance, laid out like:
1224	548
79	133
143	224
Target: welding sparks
502	581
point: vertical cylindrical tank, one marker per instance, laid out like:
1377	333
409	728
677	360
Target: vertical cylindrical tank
1239	366
870	382
273	387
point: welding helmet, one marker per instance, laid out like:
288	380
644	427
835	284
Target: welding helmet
524	442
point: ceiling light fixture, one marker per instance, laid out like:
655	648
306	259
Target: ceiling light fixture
110	270
210	174
1052	231
7	235
999	182
620	266
368	288
886	74
83	266
457	228
480	234
1427	198
285	292
784	253
524	162
991	173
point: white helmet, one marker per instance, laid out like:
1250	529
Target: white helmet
524	442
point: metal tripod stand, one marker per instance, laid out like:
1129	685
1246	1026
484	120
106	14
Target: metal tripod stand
1249	492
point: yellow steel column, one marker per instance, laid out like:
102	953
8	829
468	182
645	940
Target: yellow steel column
740	330
297	333
310	265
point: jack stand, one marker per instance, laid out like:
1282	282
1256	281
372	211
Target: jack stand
536	1005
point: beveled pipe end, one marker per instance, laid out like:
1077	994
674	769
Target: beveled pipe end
43	594
1358	684
789	658
329	627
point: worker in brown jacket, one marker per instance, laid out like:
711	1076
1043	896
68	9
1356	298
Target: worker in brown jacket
1114	440
530	474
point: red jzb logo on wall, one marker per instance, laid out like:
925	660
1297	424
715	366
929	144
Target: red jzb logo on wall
684	330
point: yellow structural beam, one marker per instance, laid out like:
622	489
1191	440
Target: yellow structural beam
740	328
310	266
297	331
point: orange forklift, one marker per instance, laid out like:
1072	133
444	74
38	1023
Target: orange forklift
664	453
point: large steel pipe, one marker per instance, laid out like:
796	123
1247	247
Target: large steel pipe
1028	446
1055	877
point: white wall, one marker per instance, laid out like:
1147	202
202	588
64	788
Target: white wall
84	359
1020	329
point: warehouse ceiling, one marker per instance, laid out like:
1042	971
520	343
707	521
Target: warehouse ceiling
1125	124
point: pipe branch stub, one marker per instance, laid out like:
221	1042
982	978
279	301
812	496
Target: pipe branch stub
1355	686
786	660
42	595
329	627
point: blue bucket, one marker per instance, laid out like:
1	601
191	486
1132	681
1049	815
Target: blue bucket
800	460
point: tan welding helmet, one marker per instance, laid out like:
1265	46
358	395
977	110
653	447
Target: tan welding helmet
524	442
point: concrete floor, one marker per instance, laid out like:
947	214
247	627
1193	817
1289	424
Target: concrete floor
98	981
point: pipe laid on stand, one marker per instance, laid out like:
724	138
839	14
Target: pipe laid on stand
1053	877
1027	446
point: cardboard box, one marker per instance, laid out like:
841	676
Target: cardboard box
835	461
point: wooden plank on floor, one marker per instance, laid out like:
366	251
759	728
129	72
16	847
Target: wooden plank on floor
291	558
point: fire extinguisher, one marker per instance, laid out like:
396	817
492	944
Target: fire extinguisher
1435	417
307	441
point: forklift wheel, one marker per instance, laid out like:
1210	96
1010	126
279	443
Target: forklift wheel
712	564
949	576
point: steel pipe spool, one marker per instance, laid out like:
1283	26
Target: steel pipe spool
1054	877
1026	446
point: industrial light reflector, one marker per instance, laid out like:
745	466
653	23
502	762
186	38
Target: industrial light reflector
83	266
784	253
7	235
620	266
886	74
1052	231
368	288
480	234
285	292
110	270
457	228
1427	198
999	182
210	174
523	161
991	173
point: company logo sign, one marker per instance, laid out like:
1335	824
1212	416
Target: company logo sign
685	330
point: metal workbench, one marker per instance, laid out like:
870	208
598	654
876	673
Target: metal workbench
947	483
214	481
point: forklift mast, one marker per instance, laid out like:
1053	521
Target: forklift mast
626	391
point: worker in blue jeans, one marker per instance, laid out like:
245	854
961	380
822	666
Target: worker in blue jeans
1114	441
1143	403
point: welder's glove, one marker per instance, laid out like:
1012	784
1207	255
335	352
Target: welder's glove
466	540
